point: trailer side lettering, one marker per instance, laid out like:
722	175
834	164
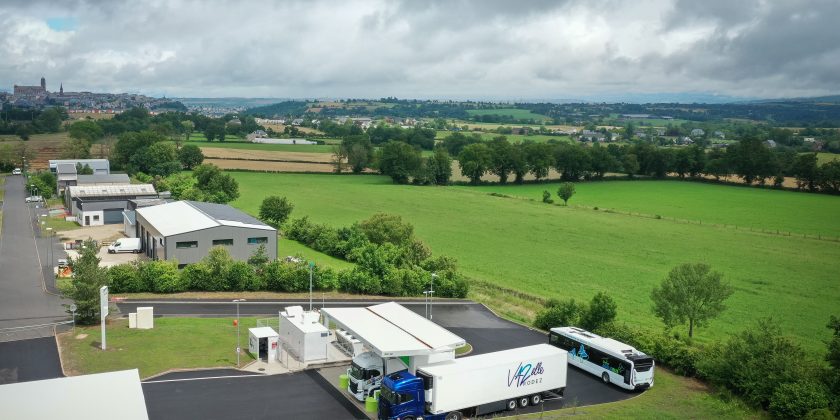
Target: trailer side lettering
524	375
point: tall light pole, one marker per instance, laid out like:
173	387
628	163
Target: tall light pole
311	266
238	350
431	294
49	230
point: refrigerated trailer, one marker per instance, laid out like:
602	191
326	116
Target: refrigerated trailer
476	385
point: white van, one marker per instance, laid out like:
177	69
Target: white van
16	171
125	245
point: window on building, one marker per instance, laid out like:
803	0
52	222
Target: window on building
95	217
186	244
257	241
223	242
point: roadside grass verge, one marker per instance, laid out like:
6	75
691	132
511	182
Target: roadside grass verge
174	343
673	397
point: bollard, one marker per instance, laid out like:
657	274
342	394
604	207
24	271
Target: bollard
371	405
343	381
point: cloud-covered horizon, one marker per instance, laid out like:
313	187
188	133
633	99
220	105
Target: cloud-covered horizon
425	49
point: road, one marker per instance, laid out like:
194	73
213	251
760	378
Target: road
476	324
23	300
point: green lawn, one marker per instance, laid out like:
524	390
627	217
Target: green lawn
746	207
287	247
173	343
516	113
552	251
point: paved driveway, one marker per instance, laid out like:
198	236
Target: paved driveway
22	297
29	360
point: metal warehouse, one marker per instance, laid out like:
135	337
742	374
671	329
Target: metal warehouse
104	204
186	230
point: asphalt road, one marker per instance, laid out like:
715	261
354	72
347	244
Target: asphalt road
473	322
23	300
303	395
29	360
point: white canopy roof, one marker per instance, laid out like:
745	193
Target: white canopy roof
263	332
112	395
391	330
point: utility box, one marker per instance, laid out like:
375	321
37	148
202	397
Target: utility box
145	317
263	343
303	335
132	320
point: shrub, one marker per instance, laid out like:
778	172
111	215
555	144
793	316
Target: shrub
280	276
125	278
602	310
451	285
240	276
796	400
560	314
820	414
325	278
358	281
162	276
546	197
384	228
217	261
755	362
196	276
666	350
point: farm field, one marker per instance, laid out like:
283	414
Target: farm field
516	113
237	143
271	166
272	155
827	157
513	138
552	251
709	203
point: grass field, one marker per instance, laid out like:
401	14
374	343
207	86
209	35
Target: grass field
513	138
709	203
552	251
287	247
827	157
519	114
212	343
237	143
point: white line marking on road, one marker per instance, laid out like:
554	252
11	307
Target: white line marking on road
199	379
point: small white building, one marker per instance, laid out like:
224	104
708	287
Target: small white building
303	335
263	343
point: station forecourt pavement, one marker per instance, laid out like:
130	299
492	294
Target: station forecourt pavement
309	394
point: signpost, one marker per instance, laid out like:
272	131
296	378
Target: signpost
311	266
73	310
103	310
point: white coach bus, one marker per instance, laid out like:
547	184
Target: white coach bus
613	361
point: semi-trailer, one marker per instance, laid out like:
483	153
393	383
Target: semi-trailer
475	385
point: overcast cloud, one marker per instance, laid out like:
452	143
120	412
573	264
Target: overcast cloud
425	49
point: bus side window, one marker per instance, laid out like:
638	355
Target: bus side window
626	372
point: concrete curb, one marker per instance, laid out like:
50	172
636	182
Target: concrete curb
179	370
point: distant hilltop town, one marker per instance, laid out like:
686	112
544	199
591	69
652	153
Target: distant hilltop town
38	97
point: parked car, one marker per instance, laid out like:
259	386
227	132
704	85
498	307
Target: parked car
34	199
125	245
16	171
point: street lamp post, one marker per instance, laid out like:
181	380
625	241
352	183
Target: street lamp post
311	266
238	350
50	232
431	294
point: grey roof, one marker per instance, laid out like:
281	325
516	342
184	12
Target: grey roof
146	202
112	190
103	179
225	212
131	216
65	168
93	163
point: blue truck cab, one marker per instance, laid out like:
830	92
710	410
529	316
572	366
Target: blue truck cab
402	397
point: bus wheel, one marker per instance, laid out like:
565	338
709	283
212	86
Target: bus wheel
511	405
523	402
536	399
605	378
455	415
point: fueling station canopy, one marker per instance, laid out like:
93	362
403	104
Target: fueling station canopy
391	330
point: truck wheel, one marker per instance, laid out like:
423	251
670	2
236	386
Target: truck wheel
523	402
536	399
455	415
605	378
511	405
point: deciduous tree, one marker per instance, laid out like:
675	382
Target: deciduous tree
691	293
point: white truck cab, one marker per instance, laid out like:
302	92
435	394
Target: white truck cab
366	373
125	245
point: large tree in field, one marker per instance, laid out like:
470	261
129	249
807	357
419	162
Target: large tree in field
501	162
275	210
474	160
565	192
400	161
190	156
691	293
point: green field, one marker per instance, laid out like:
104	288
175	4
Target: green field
709	203
552	251
519	114
513	138
286	247
827	157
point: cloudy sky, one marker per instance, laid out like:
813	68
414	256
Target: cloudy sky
594	49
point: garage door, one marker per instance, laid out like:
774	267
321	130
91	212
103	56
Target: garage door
113	216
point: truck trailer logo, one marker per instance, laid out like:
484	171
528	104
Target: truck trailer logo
525	375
